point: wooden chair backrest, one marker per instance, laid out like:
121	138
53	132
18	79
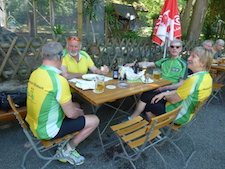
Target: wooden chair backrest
199	105
16	113
164	119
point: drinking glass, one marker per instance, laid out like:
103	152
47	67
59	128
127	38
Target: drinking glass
120	61
156	73
99	84
145	65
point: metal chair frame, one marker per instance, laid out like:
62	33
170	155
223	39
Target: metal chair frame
141	135
216	93
38	145
181	130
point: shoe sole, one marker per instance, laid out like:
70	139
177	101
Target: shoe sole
64	161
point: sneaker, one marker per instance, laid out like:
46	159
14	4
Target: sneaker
124	120
76	158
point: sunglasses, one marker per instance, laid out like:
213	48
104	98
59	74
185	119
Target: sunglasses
74	38
60	54
177	47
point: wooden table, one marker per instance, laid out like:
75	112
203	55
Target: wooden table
218	67
110	95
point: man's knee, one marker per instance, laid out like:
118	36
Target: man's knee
92	120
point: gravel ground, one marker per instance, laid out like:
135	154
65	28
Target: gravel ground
208	133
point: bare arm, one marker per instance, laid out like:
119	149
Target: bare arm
69	75
149	64
170	87
170	96
71	110
104	70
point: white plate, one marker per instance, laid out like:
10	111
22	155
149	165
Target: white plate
89	76
79	85
110	87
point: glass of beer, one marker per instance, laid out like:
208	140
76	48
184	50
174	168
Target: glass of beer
99	84
223	60
156	73
145	65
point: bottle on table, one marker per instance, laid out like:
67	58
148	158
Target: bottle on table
136	66
115	70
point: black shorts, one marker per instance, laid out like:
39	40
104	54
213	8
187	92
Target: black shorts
70	126
157	108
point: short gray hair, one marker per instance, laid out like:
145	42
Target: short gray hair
219	41
177	41
52	51
206	42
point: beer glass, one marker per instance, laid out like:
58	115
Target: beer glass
156	73
99	84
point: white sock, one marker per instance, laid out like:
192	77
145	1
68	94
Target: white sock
70	146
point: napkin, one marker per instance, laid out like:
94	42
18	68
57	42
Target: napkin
106	79
146	80
83	84
130	75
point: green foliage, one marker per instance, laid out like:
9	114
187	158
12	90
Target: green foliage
110	14
60	29
127	35
90	8
155	16
131	35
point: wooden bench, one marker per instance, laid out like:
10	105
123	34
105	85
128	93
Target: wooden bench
8	115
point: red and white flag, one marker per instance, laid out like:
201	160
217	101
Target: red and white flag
168	24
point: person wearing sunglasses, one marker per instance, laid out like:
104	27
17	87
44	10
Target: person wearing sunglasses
51	113
173	68
197	87
76	62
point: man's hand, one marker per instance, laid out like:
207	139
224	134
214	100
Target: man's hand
79	111
104	69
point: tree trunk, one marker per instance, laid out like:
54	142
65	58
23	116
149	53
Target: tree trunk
185	20
52	13
79	19
197	19
3	17
35	17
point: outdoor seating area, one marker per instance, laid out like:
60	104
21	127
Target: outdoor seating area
111	139
208	144
112	84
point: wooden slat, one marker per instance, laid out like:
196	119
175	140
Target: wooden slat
9	115
126	124
140	141
49	143
217	86
132	128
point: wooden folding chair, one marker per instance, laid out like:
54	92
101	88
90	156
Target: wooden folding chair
181	130
40	146
140	134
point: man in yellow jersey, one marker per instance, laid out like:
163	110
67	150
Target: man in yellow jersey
50	111
77	62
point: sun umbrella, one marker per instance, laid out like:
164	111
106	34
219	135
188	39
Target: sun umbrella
168	25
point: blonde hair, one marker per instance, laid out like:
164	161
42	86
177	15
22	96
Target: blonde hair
205	56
